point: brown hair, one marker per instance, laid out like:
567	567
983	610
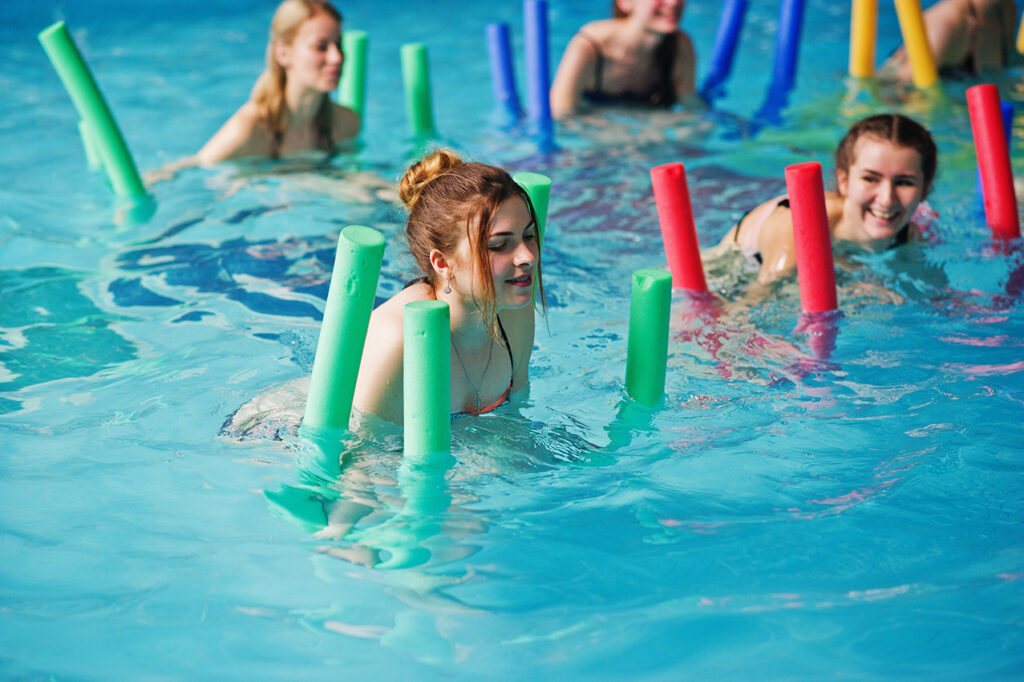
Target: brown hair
448	198
268	93
900	131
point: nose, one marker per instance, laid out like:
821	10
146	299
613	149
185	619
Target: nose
526	255
885	193
335	55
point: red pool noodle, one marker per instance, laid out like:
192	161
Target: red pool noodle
993	161
679	234
813	237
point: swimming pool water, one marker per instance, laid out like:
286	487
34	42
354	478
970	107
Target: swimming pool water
781	516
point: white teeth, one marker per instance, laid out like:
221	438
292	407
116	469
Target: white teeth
883	215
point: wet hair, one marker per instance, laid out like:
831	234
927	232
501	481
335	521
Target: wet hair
449	198
268	93
898	130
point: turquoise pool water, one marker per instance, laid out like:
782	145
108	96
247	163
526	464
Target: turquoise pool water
779	517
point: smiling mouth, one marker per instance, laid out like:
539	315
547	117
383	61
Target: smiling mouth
886	216
521	280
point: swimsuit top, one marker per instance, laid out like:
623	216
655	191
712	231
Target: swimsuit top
508	348
754	230
661	94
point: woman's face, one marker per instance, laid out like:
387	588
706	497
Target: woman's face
513	253
882	188
314	57
660	16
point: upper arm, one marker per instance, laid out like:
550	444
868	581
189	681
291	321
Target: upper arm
239	136
379	383
577	64
519	326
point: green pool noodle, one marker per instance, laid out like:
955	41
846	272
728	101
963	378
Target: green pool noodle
93	109
538	187
427	382
343	332
416	78
647	354
352	88
92	154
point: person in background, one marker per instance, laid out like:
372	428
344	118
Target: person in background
639	56
966	37
885	165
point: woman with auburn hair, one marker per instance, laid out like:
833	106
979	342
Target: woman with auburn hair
289	109
472	231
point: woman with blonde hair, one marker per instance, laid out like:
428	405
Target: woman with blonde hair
472	231
289	109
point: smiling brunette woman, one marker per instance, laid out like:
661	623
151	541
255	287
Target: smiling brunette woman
288	110
473	232
885	165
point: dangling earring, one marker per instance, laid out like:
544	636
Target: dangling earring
447	288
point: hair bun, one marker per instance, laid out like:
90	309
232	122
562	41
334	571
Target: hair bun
421	173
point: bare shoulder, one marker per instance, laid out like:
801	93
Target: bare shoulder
244	134
344	123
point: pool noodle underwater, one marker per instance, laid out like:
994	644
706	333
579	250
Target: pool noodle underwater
787	49
724	51
815	268
339	349
915	40
499	49
99	121
678	232
538	78
538	188
993	161
863	37
647	348
427	382
352	88
416	78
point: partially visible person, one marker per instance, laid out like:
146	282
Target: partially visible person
289	109
639	56
966	37
473	233
885	165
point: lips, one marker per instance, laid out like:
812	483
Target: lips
885	216
524	280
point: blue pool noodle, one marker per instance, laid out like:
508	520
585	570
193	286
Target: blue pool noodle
1007	111
499	47
535	21
726	39
787	44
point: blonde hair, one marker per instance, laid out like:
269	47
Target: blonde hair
448	198
268	93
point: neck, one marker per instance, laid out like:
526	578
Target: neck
636	39
469	329
302	103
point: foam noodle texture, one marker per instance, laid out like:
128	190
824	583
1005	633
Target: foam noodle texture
538	187
343	332
416	77
993	161
724	50
427	381
93	109
647	352
678	232
813	237
538	78
503	78
352	88
863	36
915	39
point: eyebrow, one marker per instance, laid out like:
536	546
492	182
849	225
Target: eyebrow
504	233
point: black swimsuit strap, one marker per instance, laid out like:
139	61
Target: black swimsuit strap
508	346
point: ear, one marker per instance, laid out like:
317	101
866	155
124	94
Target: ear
842	181
282	55
440	263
